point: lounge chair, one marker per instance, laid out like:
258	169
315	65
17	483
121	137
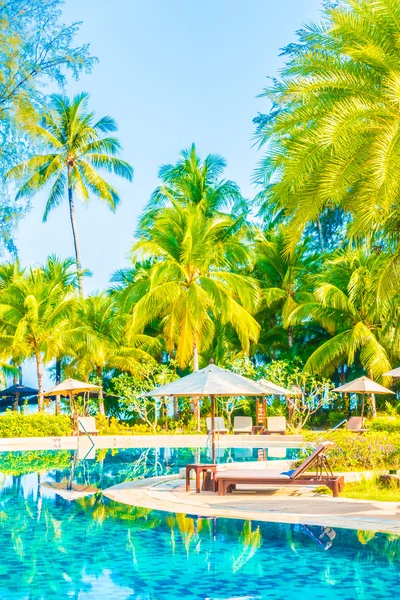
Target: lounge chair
219	425
87	425
227	480
276	425
242	425
356	424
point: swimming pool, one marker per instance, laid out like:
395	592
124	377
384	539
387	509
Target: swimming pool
97	549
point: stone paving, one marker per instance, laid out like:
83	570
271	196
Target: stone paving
284	506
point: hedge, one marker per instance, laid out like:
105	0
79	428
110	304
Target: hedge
13	425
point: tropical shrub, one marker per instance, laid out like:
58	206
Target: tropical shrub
387	424
13	425
371	451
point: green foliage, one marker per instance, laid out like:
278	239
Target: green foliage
370	451
36	312
23	463
14	425
373	488
28	63
78	148
332	135
387	424
186	260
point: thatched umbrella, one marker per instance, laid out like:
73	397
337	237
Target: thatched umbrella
211	381
363	385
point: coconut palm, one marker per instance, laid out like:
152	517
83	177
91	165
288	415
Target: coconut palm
99	341
333	136
194	181
347	306
283	280
77	148
35	318
192	281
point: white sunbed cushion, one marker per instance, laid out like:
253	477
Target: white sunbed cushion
258	474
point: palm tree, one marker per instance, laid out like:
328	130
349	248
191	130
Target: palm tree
100	341
283	280
333	135
35	318
192	282
347	306
192	181
78	147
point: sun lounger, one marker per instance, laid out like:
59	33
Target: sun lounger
356	424
276	425
219	425
228	479
87	425
242	425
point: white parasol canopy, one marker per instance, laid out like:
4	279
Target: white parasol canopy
72	385
273	388
211	381
363	385
393	373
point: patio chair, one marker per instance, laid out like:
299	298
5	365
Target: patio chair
276	425
228	479
356	424
219	425
87	425
242	425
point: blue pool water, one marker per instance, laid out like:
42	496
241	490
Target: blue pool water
97	549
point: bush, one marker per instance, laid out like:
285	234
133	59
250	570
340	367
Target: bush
370	451
388	424
13	425
115	427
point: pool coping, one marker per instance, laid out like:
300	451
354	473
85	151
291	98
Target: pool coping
148	441
167	493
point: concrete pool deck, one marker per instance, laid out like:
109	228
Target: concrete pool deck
149	441
306	506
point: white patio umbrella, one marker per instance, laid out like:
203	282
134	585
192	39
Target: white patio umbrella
393	373
273	388
70	387
363	385
211	381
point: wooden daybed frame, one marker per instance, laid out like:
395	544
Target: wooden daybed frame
227	480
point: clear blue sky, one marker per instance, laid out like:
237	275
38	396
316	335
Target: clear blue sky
171	72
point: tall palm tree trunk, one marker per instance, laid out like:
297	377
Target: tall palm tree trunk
195	357
101	395
15	382
75	232
39	371
196	401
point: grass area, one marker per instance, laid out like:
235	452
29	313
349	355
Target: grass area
372	489
368	489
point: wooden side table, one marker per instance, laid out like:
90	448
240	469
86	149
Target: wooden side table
199	469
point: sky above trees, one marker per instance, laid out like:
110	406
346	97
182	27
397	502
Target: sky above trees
170	75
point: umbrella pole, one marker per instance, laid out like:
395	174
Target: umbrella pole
15	404
362	404
213	454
